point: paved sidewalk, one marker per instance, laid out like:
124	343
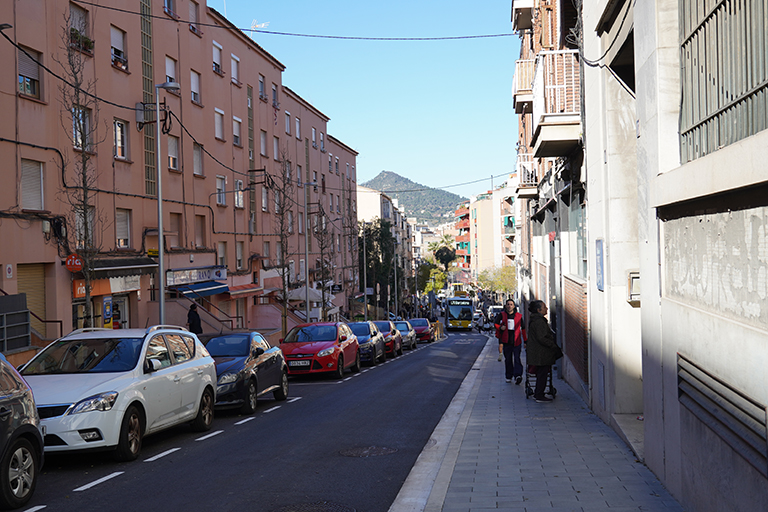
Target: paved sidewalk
496	450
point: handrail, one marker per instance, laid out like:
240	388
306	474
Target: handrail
60	322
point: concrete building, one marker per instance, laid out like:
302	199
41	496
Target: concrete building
229	135
463	246
483	230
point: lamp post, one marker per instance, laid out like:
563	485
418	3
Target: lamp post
171	86
365	275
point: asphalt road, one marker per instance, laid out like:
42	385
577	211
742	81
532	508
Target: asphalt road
332	446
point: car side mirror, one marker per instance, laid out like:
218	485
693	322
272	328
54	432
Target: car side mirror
343	337
394	331
257	351
152	365
281	340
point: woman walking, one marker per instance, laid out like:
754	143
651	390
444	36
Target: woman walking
541	350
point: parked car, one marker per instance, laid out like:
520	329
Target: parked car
106	389
407	333
247	367
425	331
321	347
21	444
370	342
393	317
393	341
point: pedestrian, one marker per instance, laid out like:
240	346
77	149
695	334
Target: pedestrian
193	320
511	336
541	350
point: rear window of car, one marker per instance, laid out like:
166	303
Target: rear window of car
91	355
383	326
402	326
232	345
421	322
360	329
311	333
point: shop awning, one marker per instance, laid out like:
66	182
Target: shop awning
244	290
121	267
203	289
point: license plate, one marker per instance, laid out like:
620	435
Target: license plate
298	363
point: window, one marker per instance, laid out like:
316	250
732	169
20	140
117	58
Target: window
117	37
264	199
239	196
302	272
330	203
322	184
288	123
235	66
299	177
121	139
288	172
84	222
314	137
193	15
301	223
330	164
298	128
239	250
221	254
290	221
31	185
338	242
78	29
81	128
236	122
123	228
265	250
263	140
262	91
170	69
347	171
322	141
338	204
199	231
353	173
274	96
179	348
194	85
221	188
197	159
173	152
219	123
337	166
276	148
314	179
157	350
217	58
278	253
174	231
277	201
169	6
29	73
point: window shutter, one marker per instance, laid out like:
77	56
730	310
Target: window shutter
78	18
192	13
219	126
197	156
116	36
216	54
27	66
121	224
195	82
31	185
170	68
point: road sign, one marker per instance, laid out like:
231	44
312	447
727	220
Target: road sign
369	291
74	263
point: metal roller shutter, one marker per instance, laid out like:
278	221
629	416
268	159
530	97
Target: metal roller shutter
31	280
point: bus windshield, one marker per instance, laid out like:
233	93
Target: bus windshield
460	310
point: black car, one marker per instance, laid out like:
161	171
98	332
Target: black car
20	438
247	367
370	341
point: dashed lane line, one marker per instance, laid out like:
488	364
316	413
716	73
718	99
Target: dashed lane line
99	481
272	409
161	455
294	399
212	434
35	509
246	420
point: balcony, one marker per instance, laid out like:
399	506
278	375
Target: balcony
461	212
522	86
461	252
556	104
522	14
462	238
463	224
527	172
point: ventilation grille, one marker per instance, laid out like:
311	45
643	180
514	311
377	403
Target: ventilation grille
739	420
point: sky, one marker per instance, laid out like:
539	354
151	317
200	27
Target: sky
437	112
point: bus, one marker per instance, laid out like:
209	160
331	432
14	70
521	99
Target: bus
458	290
458	313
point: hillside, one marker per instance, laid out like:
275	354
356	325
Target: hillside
426	204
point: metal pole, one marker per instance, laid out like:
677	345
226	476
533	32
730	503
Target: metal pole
306	251
395	281
365	276
160	241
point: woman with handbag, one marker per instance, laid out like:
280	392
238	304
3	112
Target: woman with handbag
541	350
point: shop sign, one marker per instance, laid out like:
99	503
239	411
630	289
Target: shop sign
195	275
107	313
124	284
74	263
98	287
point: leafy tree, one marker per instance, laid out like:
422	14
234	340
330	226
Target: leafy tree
498	279
437	279
379	244
423	274
445	255
445	241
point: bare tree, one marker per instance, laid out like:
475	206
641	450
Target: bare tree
323	233
80	119
283	189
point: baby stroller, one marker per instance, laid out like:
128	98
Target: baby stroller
530	382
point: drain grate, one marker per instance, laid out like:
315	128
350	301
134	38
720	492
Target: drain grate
368	451
320	506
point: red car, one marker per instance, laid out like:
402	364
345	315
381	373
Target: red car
425	331
393	340
321	348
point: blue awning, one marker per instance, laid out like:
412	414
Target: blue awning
202	289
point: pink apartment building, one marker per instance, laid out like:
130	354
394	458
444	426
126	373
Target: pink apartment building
233	136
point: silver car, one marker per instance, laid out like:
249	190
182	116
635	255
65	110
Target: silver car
408	333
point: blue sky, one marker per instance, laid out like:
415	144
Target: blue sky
437	112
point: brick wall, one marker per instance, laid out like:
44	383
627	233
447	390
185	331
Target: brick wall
576	326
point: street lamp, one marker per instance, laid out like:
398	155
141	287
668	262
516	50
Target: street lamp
170	86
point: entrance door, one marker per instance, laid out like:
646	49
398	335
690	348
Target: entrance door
31	280
120	312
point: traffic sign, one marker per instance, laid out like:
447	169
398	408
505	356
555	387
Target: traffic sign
74	263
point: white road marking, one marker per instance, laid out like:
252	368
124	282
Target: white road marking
160	455
246	420
294	399
99	481
272	409
35	509
209	435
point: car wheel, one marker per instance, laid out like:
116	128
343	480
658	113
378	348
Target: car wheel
131	434
251	397
339	373
18	474
204	418
356	367
374	356
281	393
400	351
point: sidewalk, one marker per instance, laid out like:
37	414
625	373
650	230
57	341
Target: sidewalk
495	450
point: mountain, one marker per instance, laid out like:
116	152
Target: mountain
426	204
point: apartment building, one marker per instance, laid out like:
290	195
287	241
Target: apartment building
463	246
229	134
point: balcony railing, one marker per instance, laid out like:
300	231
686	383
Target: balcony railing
527	170
461	212
522	85
464	224
556	103
462	238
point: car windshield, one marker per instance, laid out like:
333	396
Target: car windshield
460	311
231	345
383	327
91	355
310	333
360	329
402	326
419	322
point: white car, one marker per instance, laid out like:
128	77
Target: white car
107	389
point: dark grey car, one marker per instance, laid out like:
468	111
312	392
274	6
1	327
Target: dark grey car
370	342
20	438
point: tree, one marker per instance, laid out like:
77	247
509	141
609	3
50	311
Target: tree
378	255
444	241
283	188
324	234
445	255
437	280
80	119
498	279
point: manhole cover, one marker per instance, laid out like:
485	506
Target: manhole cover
368	451
320	506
